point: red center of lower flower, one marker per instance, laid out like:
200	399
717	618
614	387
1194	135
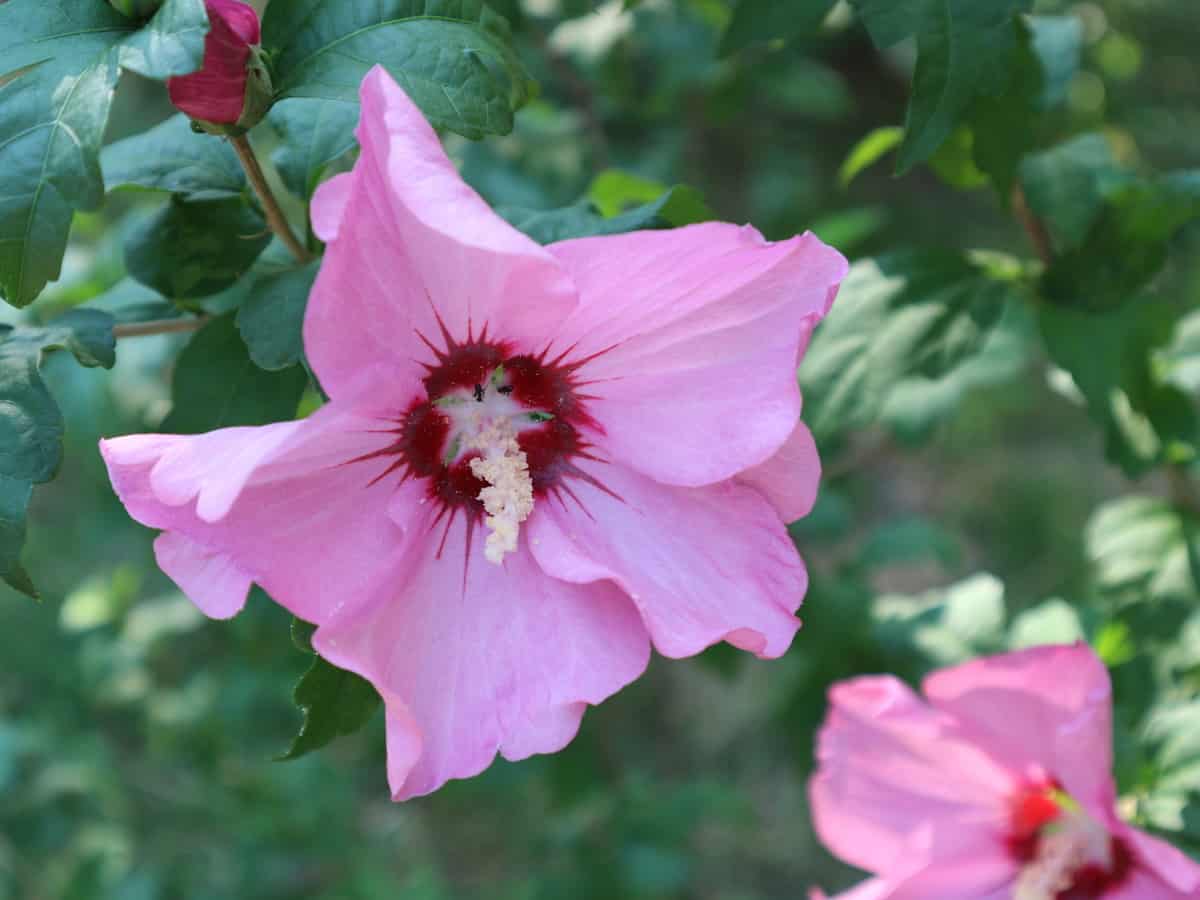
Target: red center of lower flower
1063	854
492	431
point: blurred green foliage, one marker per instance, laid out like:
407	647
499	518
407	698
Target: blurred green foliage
968	505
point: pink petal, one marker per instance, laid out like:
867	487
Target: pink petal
1170	865
1046	709
871	889
697	332
329	205
410	241
483	659
702	564
890	768
211	579
790	478
282	505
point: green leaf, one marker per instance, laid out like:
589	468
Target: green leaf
1064	186
679	205
1051	622
896	316
1005	125
869	151
335	703
217	385
916	405
187	250
1179	362
946	626
1058	44
1109	357
172	157
171	43
313	133
1141	544
302	633
954	161
58	71
14	503
271	319
1128	244
760	21
966	48
454	58
31	426
891	21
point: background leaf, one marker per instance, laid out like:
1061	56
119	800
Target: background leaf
194	249
897	316
314	133
31	425
452	57
217	385
172	157
759	21
53	113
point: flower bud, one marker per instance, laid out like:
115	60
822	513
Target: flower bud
232	91
136	9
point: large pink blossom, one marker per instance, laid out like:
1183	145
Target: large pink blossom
217	93
535	461
995	786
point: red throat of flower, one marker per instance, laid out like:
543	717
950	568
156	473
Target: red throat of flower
1063	853
493	432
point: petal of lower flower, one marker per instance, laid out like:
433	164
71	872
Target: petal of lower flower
889	765
1046	707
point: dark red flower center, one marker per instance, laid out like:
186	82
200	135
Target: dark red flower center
1064	855
492	431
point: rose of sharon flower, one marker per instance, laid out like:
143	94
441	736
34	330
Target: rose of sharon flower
996	786
535	461
227	89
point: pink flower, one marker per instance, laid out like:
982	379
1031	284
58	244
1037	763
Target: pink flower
217	93
996	786
535	460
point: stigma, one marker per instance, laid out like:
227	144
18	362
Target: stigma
508	498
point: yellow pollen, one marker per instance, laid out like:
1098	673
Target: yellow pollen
508	498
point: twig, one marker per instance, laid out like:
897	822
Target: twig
275	216
158	326
1038	235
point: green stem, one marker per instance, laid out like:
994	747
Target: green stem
275	216
158	326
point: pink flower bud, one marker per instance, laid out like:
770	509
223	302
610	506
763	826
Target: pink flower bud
232	84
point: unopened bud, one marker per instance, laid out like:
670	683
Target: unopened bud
232	91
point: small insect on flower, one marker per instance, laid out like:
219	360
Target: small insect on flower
535	461
997	785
